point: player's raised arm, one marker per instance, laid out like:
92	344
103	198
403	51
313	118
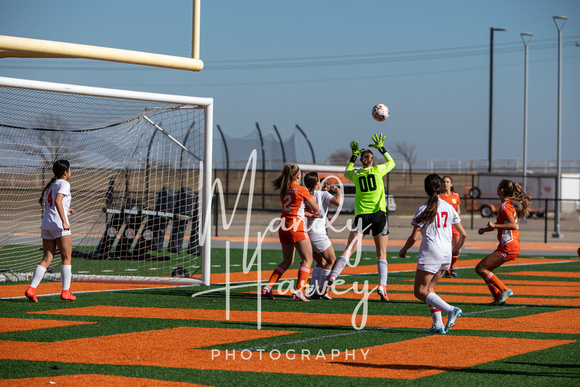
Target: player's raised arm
355	153
379	141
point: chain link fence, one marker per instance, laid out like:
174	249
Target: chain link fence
252	210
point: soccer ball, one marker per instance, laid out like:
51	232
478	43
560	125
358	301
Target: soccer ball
380	112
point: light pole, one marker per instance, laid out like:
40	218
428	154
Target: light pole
559	21
526	38
491	30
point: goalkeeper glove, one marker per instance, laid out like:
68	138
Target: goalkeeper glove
379	140
355	151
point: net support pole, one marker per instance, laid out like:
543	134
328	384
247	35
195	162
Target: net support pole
207	196
11	46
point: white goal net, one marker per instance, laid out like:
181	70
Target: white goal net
140	181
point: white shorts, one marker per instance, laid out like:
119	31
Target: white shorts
432	268
53	234
320	243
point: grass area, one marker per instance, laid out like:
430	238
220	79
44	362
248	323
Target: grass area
558	365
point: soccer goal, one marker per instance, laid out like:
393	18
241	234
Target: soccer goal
141	170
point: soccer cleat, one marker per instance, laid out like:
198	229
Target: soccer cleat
267	292
448	275
505	295
453	273
330	281
67	296
497	303
434	329
31	294
299	296
382	290
451	317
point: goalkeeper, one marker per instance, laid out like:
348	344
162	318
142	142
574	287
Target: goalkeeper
370	209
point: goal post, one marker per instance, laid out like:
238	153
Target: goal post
141	180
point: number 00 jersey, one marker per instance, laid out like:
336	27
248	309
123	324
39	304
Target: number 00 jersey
370	190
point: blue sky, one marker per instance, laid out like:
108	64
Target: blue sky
324	64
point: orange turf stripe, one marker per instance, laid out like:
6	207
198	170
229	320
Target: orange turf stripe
545	322
510	282
561	291
55	288
406	265
562	274
25	324
93	380
464	299
410	359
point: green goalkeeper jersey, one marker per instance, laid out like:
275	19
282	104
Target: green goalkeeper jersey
370	190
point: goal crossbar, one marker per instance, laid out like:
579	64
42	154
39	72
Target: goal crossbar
12	46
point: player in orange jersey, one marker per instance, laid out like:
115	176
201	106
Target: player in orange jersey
292	232
450	196
507	227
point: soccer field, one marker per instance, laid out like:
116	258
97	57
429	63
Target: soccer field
226	335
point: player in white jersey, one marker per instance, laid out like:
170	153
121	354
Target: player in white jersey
323	251
433	221
55	230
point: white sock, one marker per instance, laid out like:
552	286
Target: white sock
323	278
315	281
338	267
436	315
37	276
434	300
383	269
66	276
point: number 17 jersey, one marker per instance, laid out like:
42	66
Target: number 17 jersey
436	246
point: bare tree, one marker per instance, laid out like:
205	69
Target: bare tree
407	151
47	140
340	156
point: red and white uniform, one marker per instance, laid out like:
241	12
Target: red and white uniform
317	226
51	220
453	199
509	240
292	227
436	237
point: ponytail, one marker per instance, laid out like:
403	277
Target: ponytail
433	187
283	181
58	168
514	191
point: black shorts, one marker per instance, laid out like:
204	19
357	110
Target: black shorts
377	223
